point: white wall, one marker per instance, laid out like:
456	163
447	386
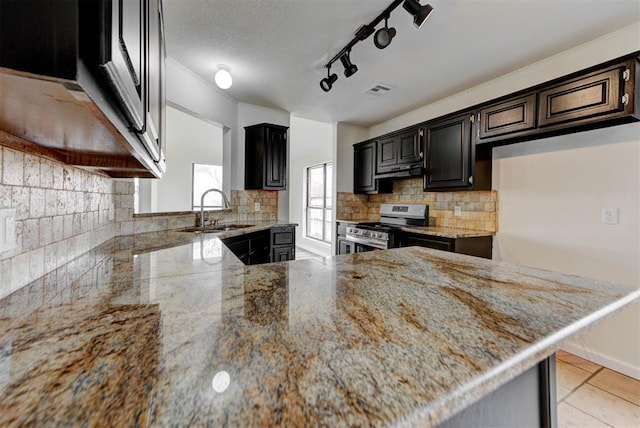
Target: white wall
551	191
550	196
347	136
311	143
249	114
201	98
189	140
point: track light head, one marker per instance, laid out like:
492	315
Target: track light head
327	83
349	69
420	13
383	36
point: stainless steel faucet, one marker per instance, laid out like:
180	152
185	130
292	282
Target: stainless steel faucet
225	202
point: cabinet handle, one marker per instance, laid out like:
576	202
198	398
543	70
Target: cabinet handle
625	99
626	74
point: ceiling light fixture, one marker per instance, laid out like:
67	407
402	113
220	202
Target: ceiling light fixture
383	36
381	40
223	77
420	13
349	68
327	83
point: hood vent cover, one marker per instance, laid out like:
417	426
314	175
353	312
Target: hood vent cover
379	89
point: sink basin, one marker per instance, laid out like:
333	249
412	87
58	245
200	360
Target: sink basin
217	228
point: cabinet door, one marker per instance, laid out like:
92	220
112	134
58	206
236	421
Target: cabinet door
448	153
409	149
508	117
387	150
594	95
122	55
156	100
427	241
282	254
259	248
276	159
363	167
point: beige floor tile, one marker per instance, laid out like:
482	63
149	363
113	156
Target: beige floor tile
574	360
570	376
618	384
570	417
605	407
561	392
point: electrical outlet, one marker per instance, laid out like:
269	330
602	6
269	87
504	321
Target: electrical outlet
457	211
7	229
256	206
609	216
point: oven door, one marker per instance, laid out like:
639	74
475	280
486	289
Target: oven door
364	244
361	248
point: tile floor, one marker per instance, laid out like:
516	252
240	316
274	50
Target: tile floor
302	254
590	395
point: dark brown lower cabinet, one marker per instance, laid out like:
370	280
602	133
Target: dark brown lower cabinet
283	244
479	246
251	248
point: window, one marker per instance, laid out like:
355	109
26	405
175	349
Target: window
319	203
206	177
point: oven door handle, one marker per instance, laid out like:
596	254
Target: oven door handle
357	240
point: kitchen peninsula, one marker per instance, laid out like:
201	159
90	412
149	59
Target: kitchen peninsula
169	328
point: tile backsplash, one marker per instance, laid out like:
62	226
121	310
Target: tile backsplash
479	208
63	211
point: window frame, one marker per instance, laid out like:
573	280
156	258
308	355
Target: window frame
324	208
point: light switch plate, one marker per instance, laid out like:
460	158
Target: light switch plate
457	211
7	229
609	216
257	206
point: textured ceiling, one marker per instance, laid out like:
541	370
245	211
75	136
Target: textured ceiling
277	48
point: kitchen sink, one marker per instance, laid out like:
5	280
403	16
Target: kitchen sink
217	228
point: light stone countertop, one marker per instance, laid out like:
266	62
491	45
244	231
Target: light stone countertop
150	329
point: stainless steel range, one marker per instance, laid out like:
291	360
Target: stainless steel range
382	235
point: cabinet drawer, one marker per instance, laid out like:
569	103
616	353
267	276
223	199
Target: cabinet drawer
283	236
508	117
582	98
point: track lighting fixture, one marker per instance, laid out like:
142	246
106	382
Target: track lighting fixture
327	83
383	36
420	13
381	39
349	69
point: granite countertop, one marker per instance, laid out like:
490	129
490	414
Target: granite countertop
133	333
445	232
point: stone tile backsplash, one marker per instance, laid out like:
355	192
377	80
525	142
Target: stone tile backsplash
61	213
479	208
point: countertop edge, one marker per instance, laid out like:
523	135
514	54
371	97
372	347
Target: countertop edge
439	411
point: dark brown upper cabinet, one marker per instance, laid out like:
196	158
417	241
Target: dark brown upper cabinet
507	118
596	94
364	166
399	151
265	157
83	82
453	161
448	159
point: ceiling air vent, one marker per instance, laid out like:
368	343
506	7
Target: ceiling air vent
379	89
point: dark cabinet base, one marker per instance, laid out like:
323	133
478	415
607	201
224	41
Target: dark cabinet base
480	246
529	400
